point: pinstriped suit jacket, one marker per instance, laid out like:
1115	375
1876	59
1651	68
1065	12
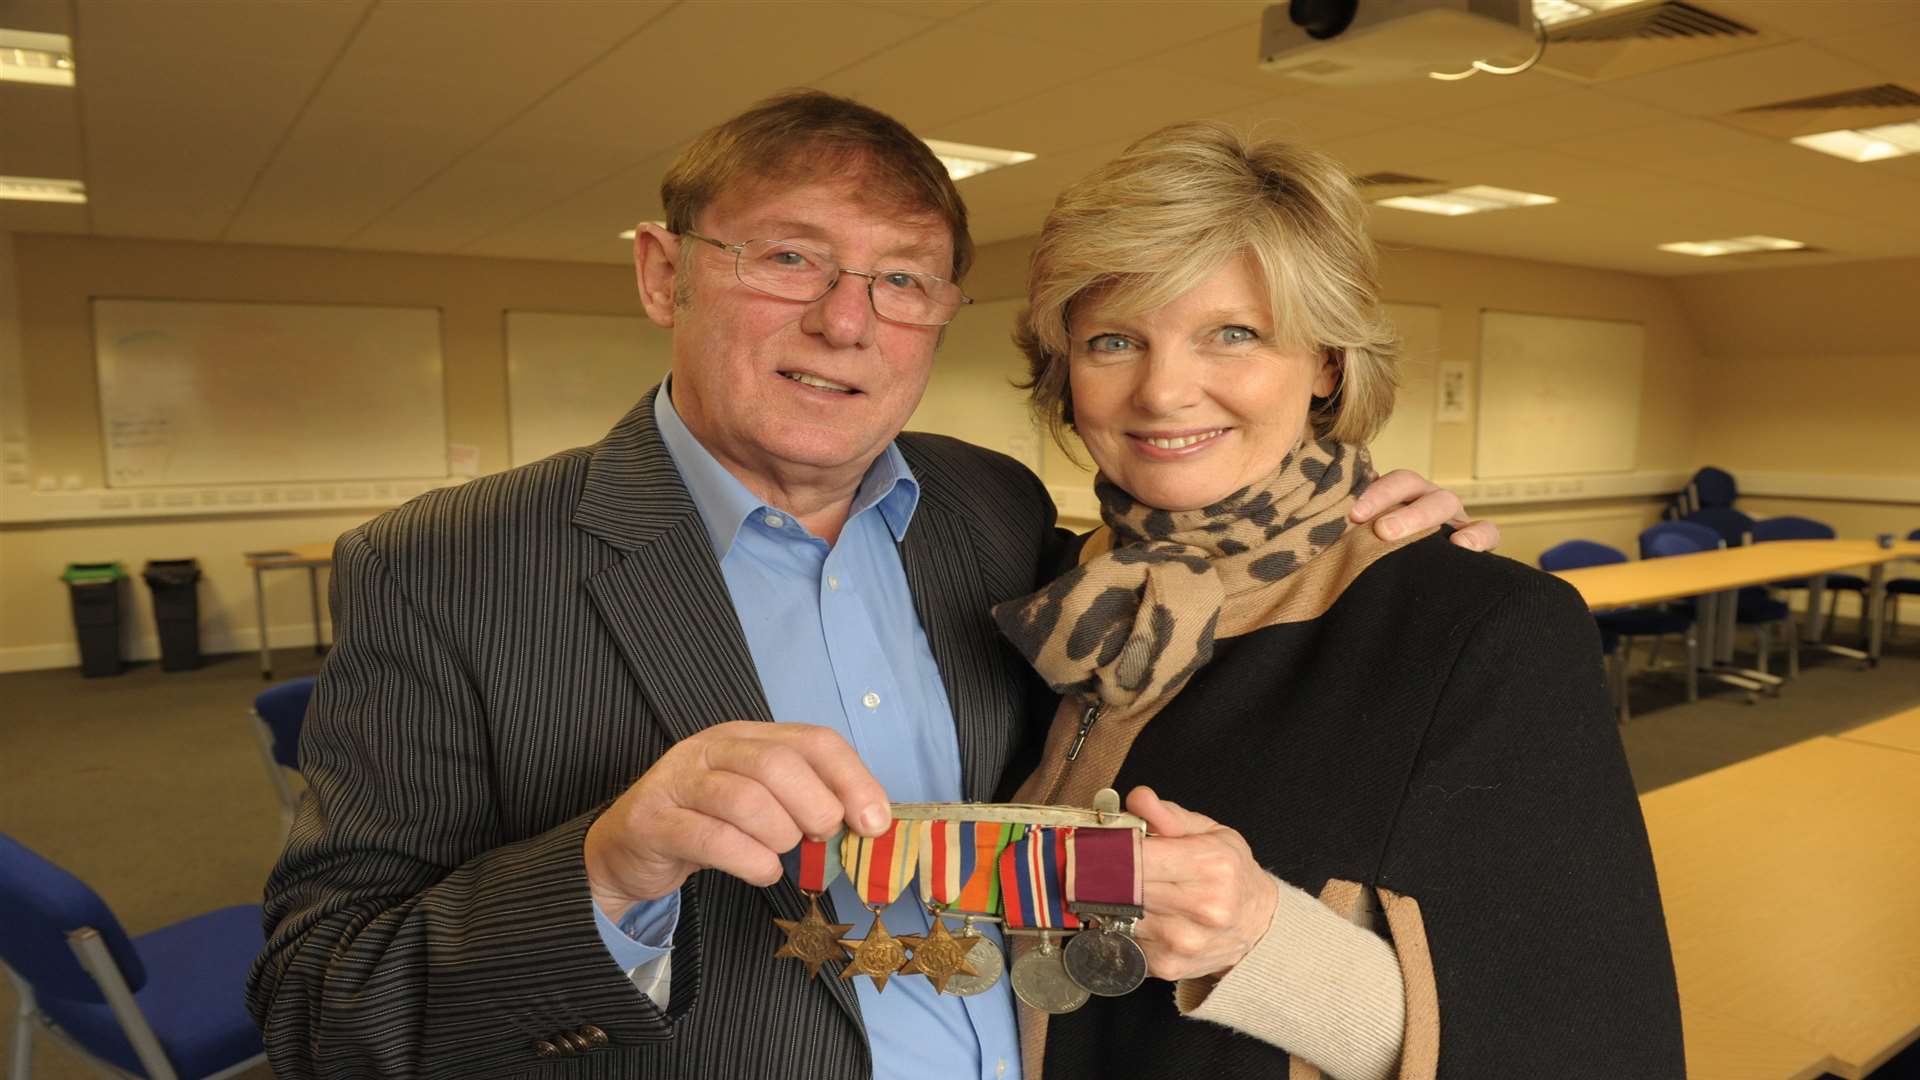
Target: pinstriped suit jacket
509	656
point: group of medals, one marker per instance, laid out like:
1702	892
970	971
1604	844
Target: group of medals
1076	888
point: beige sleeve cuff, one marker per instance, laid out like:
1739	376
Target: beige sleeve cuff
1315	985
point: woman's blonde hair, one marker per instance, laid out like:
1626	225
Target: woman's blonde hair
1176	206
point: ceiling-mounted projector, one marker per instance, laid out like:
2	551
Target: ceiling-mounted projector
1349	42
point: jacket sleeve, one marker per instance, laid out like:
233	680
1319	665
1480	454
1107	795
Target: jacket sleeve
407	936
1520	866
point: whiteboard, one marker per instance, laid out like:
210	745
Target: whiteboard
1406	440
971	394
1557	395
570	378
219	393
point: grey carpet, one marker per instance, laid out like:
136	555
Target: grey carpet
148	785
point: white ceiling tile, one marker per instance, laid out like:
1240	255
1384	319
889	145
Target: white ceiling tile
1431	99
899	81
173	146
1301	120
415	91
40	132
652	93
1816	20
1119	31
40	217
1649	146
1746	79
1409	148
39	16
1892	50
1229	56
1555	115
1123	103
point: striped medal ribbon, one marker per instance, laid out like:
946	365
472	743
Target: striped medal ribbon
959	861
879	868
1104	884
1031	871
813	940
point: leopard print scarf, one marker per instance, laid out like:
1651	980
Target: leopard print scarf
1131	626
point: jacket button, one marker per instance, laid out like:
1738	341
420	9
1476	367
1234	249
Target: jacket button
595	1036
575	1042
545	1049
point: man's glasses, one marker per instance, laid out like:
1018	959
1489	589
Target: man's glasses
793	271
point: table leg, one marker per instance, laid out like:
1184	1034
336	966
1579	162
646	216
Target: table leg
1876	609
313	602
1729	608
1816	607
260	612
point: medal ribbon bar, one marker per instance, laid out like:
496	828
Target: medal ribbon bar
1030	881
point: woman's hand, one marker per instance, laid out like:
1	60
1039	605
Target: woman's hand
1207	900
1418	503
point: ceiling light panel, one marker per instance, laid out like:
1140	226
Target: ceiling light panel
1476	199
963	160
1866	144
32	57
42	189
1738	245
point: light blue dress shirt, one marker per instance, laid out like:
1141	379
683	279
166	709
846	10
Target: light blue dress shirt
836	642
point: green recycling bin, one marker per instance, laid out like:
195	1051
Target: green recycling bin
95	590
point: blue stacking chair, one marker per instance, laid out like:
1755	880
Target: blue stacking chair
277	714
165	1005
1897	588
1669	538
1792	527
1754	607
1620	626
1710	487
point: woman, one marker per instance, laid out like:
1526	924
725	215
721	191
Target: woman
1411	739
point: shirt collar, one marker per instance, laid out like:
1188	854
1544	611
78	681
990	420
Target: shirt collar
725	503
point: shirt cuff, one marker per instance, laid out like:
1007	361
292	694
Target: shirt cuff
644	934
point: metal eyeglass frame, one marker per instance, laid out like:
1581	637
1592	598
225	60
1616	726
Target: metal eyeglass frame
739	249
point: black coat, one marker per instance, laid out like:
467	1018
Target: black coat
1441	731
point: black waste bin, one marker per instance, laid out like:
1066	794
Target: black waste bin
95	590
176	611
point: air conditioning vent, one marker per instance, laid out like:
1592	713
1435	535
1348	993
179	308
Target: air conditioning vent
1884	96
1673	20
1645	37
1394	179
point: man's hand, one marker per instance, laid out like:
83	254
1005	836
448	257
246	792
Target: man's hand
730	798
1208	902
1417	503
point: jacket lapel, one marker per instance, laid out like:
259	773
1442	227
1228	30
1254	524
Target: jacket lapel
667	607
951	600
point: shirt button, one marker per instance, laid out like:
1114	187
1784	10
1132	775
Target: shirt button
871	700
833	583
774	521
1002	1070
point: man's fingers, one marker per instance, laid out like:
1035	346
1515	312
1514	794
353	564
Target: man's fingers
710	842
863	801
1387	492
795	766
1478	536
1166	818
746	804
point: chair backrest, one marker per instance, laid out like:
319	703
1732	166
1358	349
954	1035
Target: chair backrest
1714	487
1790	527
1914	535
1727	523
40	904
1676	538
283	707
1574	554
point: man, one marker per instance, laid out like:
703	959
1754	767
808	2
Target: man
479	885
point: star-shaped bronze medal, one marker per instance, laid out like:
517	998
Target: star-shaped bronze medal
813	940
939	956
876	956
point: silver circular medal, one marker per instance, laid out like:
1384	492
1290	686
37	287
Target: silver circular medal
1040	979
1105	962
985	959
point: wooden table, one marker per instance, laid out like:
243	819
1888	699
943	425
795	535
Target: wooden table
1723	1049
311	557
1791	883
1649	581
1901	731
